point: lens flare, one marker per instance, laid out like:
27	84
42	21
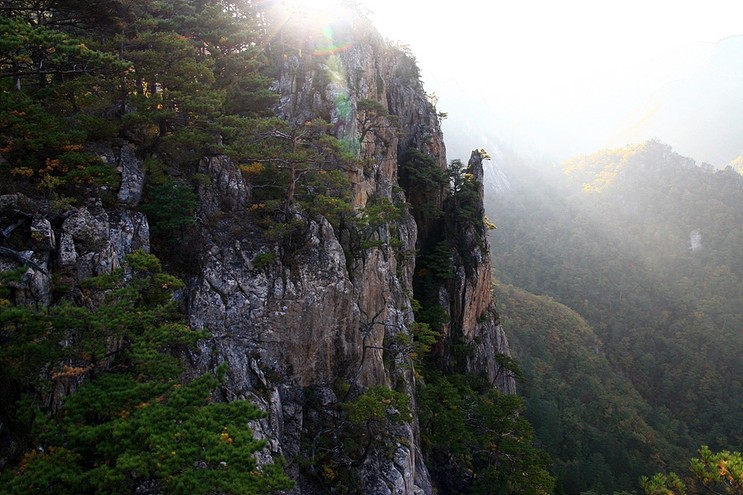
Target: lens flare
331	46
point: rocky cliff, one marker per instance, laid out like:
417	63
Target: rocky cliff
293	330
310	328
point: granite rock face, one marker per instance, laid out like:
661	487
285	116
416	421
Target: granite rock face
292	326
123	156
76	244
298	327
472	310
61	249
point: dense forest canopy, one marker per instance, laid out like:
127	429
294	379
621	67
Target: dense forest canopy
643	246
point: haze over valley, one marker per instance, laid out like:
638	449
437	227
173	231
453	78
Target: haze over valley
617	251
552	80
304	247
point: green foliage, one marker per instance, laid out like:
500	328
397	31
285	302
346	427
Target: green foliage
377	407
422	171
159	74
33	51
132	423
439	261
118	434
711	472
589	420
28	344
170	207
475	440
611	240
373	117
663	484
465	202
371	106
32	140
87	169
292	169
424	338
366	424
720	472
433	315
371	226
264	259
326	193
379	212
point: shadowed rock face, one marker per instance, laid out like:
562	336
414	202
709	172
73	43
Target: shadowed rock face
77	244
294	325
473	310
303	323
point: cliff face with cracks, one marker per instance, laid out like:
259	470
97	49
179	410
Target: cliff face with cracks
295	329
299	330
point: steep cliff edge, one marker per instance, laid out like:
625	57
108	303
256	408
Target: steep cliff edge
317	324
322	315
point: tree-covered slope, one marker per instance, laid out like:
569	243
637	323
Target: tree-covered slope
600	432
644	245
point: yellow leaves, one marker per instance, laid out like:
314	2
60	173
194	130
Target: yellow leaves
225	437
328	472
722	467
254	168
22	172
589	188
68	371
50	166
27	458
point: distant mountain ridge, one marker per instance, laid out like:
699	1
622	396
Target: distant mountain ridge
644	244
701	116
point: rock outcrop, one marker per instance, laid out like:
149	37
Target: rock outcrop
302	328
472	310
292	326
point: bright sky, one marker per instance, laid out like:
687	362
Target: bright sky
539	61
547	41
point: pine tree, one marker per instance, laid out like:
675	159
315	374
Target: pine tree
132	423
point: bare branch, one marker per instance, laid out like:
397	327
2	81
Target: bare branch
18	257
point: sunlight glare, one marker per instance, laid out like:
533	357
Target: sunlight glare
571	70
317	12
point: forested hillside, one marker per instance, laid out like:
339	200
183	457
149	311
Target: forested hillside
600	432
643	246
